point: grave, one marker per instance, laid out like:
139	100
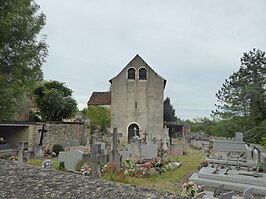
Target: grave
234	180
97	157
70	158
115	157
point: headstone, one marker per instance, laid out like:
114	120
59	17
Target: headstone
70	158
115	157
125	154
23	146
135	147
149	151
239	136
97	158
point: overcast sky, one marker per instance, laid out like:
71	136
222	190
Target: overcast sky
194	44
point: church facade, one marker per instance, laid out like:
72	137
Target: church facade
137	96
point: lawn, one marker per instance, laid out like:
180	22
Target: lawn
172	180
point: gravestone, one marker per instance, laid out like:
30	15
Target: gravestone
135	147
23	146
125	154
97	157
115	157
70	158
149	151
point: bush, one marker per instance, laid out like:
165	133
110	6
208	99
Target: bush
57	148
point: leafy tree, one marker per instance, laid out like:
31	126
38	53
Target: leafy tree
100	117
54	101
242	97
169	111
22	52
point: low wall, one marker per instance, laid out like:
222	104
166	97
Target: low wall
56	134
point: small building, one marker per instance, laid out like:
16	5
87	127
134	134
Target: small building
136	100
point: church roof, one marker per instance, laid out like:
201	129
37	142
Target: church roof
100	98
137	57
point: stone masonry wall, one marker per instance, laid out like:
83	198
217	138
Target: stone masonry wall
57	133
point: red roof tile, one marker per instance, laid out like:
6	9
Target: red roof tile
100	98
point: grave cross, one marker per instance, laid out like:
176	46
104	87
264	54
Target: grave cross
115	136
145	137
115	156
42	131
97	158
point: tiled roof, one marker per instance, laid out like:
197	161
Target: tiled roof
100	98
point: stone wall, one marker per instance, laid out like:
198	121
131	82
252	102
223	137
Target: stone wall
56	134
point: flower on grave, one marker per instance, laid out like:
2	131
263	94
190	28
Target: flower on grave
140	160
85	169
190	189
157	162
14	158
204	163
47	164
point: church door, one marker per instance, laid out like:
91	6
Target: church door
133	130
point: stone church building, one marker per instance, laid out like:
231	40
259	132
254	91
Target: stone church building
135	101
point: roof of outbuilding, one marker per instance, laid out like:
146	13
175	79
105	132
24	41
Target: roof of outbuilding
100	98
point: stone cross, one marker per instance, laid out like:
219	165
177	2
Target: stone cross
115	157
145	137
115	136
97	157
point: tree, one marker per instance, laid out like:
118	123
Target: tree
242	97
99	116
54	101
169	111
22	52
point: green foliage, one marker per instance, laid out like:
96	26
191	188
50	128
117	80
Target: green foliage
169	111
22	53
263	142
61	166
242	98
57	148
54	101
100	117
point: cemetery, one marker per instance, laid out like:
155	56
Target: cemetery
229	163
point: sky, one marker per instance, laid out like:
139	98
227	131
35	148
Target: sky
194	44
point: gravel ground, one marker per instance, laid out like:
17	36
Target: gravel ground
22	181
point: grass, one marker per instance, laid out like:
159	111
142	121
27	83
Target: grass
172	180
37	162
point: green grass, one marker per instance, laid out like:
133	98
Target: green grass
37	162
169	181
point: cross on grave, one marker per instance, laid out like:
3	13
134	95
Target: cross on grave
42	131
145	137
97	157
115	157
115	136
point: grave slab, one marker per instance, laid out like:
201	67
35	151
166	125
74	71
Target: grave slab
70	158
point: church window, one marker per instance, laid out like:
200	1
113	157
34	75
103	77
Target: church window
131	73
142	73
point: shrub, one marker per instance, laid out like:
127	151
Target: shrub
57	148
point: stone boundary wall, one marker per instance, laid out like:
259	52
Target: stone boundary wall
56	134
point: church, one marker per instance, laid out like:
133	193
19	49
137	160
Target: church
135	101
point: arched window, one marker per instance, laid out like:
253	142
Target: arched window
131	73
142	73
133	130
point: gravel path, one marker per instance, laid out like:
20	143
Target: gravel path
22	181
